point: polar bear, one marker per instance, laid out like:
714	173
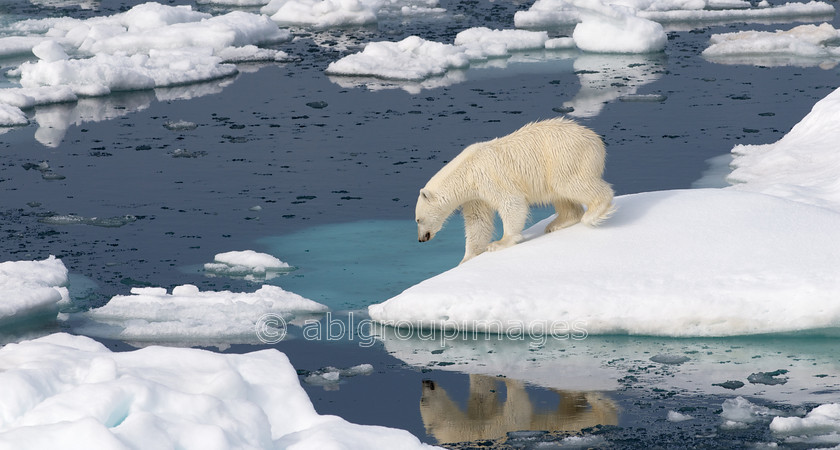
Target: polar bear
552	162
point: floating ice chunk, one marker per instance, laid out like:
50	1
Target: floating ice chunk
608	28
73	219
71	389
822	421
188	314
239	3
739	412
561	43
321	13
674	416
246	263
768	378
807	42
802	166
694	257
481	42
329	377
412	58
180	125
30	288
670	359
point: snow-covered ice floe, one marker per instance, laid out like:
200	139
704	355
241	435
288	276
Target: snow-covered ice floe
821	425
804	165
31	288
72	392
194	316
672	263
804	45
556	13
151	45
322	14
247	264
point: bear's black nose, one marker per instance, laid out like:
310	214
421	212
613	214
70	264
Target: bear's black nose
426	237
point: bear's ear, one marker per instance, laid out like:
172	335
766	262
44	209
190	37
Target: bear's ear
426	194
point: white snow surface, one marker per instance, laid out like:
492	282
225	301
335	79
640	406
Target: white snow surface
824	420
704	262
321	14
151	45
188	314
73	392
606	28
804	165
31	287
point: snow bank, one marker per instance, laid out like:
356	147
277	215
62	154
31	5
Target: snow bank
804	165
31	287
415	58
148	46
805	42
247	263
188	314
73	390
674	263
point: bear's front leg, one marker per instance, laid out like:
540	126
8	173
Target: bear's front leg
514	213
478	228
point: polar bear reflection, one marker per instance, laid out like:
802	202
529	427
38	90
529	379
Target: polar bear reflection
486	417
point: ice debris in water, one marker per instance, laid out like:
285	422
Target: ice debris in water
769	378
180	125
674	416
188	314
651	98
670	359
73	219
820	425
248	264
731	384
739	412
329	377
31	287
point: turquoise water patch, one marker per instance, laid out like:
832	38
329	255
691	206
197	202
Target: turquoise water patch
352	265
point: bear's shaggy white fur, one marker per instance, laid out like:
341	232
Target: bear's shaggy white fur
553	162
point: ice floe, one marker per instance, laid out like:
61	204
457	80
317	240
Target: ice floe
820	426
151	45
804	165
74	391
739	412
322	14
248	264
31	288
187	314
672	263
804	46
693	13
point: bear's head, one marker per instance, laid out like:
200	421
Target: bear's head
429	214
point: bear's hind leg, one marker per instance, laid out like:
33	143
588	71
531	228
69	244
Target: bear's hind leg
599	205
478	228
569	213
514	213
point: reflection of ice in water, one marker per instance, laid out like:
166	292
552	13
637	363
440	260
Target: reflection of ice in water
54	120
715	175
605	78
599	363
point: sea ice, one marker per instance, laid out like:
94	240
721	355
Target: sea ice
804	165
671	263
739	412
191	315
30	288
150	45
74	391
821	424
247	263
674	416
606	28
799	45
321	13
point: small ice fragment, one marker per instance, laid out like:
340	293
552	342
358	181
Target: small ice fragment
180	125
674	416
317	105
670	359
768	378
255	208
49	51
563	43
